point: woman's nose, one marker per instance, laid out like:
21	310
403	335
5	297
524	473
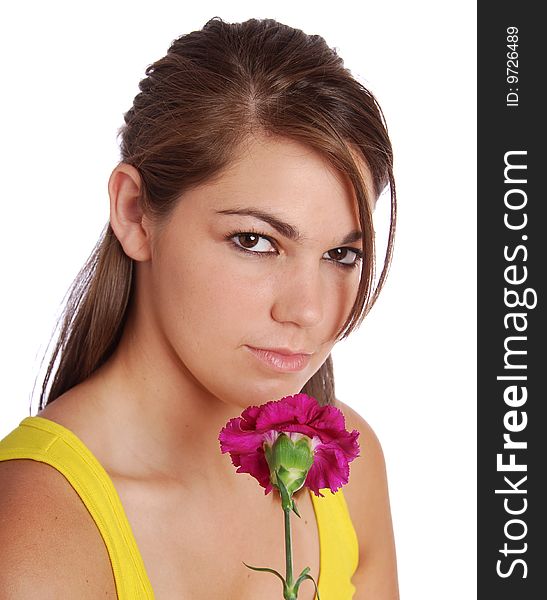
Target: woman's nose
299	297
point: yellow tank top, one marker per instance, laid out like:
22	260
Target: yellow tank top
40	439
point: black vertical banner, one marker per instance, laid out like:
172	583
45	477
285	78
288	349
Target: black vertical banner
512	271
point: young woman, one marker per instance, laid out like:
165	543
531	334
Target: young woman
240	249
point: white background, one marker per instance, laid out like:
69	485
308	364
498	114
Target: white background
69	72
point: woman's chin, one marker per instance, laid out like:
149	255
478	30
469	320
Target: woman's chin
262	394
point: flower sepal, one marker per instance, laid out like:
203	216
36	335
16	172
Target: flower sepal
287	501
289	458
286	498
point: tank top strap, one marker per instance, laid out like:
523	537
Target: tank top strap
338	545
45	441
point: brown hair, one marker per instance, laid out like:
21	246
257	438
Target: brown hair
196	105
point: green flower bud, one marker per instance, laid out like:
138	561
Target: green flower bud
289	457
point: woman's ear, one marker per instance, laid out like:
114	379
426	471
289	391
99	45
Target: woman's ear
126	216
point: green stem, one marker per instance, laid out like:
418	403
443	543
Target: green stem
288	548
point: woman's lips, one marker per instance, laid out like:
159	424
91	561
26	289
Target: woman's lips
282	363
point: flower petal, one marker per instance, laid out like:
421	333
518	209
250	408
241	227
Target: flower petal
234	439
256	465
330	469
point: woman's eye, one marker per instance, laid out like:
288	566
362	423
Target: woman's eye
252	242
344	256
255	243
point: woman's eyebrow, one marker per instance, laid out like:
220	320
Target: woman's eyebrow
285	229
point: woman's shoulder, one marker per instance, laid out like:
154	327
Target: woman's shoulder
76	411
368	441
49	544
368	470
367	498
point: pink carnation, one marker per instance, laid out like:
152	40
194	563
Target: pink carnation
333	447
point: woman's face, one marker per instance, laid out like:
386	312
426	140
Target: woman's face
264	257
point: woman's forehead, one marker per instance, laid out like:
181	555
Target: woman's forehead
284	174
